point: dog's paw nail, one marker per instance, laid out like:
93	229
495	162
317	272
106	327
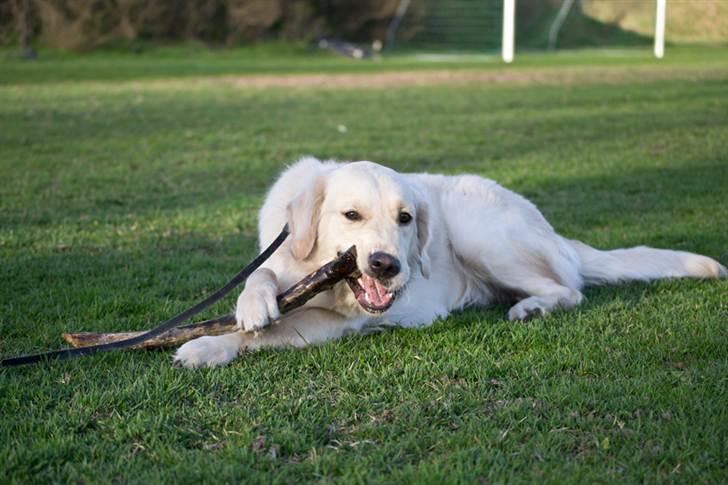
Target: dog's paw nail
533	313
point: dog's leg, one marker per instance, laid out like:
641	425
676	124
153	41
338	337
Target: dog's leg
546	295
300	328
257	305
544	277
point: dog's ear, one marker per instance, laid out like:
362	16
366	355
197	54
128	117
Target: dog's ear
304	212
424	235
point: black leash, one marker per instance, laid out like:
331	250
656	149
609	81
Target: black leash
169	324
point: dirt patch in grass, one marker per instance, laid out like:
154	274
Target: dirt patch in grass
445	77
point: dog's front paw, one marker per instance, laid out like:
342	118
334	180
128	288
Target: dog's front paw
208	351
257	307
526	310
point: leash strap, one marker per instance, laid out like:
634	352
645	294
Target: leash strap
241	276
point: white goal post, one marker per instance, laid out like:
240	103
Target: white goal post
509	27
660	28
509	30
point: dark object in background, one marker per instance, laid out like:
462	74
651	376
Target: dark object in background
21	10
341	47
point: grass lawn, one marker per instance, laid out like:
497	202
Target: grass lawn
125	202
191	62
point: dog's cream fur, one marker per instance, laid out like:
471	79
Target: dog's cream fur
470	242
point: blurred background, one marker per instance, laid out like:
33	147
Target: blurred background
395	25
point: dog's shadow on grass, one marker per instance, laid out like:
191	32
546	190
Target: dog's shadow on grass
595	297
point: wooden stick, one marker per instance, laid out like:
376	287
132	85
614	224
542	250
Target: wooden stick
320	280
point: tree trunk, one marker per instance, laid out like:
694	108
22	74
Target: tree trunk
24	27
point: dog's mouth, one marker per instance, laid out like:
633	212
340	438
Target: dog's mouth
371	294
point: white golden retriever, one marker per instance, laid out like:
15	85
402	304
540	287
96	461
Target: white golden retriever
426	245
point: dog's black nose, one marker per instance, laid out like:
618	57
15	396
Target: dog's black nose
384	265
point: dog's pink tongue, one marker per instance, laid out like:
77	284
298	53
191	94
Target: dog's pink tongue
377	294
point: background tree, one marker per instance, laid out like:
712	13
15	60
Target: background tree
24	27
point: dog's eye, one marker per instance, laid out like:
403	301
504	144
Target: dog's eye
405	217
352	215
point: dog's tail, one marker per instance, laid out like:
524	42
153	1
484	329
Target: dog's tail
643	263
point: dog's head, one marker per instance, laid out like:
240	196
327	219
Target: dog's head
375	209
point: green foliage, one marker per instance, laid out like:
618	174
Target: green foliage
124	202
83	25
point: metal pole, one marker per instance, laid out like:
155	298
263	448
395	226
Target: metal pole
559	22
394	24
509	29
660	28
